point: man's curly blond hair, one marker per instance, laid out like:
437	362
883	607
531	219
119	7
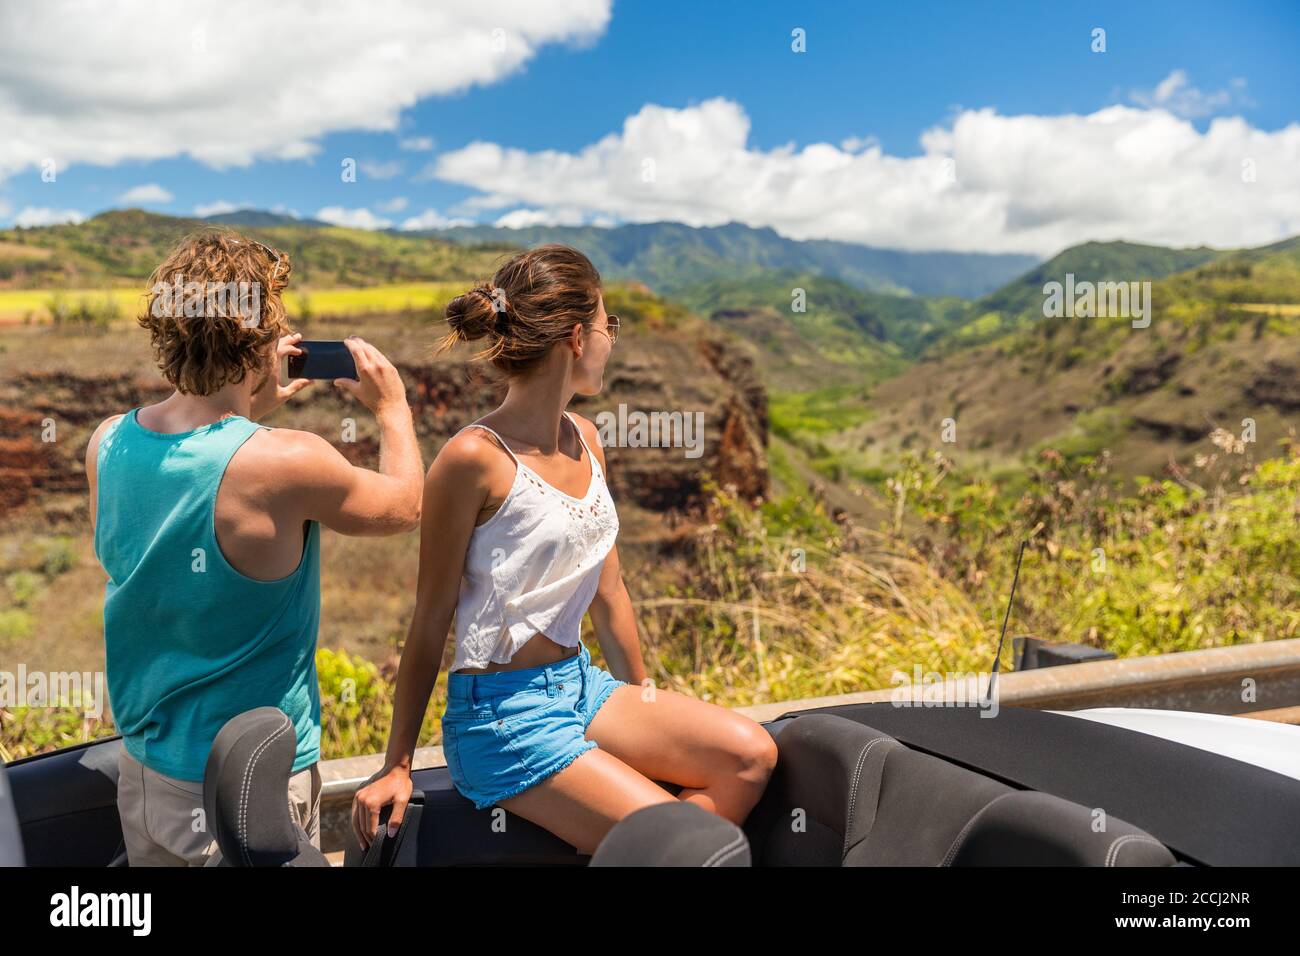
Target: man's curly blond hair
201	349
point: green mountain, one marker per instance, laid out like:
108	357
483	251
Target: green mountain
1020	303
671	256
263	218
1222	352
909	322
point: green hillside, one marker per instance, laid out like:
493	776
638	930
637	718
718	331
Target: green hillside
909	322
123	248
1223	348
1020	303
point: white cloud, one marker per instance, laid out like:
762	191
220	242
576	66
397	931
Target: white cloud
203	210
375	170
416	144
555	216
986	182
1176	94
432	219
352	218
396	204
43	216
856	144
129	80
147	194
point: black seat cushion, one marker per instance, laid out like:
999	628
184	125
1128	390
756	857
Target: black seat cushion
844	794
822	797
1028	828
246	793
673	834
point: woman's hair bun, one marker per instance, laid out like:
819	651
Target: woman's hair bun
529	305
473	315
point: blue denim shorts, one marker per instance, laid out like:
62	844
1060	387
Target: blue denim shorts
505	731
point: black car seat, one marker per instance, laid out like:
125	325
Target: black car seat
246	793
844	794
673	834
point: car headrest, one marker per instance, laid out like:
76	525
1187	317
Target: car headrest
246	793
1029	828
11	839
673	834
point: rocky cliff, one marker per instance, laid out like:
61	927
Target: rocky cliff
685	373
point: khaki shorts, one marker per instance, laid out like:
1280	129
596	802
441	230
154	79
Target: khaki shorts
163	823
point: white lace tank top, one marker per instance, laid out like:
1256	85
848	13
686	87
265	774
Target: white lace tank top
533	566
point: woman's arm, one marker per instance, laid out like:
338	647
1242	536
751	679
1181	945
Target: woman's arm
455	490
615	623
611	608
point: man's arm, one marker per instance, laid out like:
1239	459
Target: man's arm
326	487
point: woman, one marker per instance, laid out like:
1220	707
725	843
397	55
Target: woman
517	541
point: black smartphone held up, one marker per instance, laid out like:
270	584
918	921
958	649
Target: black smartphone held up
327	360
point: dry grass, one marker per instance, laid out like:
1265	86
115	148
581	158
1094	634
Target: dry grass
768	619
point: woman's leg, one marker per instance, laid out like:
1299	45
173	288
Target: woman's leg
721	758
582	802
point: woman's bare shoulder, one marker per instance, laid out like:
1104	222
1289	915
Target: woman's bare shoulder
471	454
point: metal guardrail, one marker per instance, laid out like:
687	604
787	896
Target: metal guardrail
1254	680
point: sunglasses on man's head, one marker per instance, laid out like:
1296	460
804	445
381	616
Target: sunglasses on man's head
275	256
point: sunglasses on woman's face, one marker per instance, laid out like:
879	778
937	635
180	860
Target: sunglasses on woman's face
611	329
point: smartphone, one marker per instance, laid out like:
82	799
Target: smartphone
327	360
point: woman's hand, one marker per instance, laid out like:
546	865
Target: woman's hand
390	785
272	394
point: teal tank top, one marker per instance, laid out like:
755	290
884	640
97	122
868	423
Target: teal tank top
189	641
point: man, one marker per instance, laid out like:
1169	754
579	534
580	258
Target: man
208	526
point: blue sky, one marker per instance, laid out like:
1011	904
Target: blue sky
878	74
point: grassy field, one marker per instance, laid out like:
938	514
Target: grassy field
20	305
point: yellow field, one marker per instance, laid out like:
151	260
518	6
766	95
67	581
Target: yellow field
1270	308
16	305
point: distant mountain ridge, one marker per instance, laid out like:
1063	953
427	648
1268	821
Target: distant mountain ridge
262	218
671	256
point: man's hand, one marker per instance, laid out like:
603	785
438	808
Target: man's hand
272	394
391	785
379	386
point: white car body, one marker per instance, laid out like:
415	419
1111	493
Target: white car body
1264	743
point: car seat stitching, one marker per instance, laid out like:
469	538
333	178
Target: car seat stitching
727	852
1112	854
243	793
853	793
952	850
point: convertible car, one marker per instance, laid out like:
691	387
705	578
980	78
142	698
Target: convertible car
856	785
